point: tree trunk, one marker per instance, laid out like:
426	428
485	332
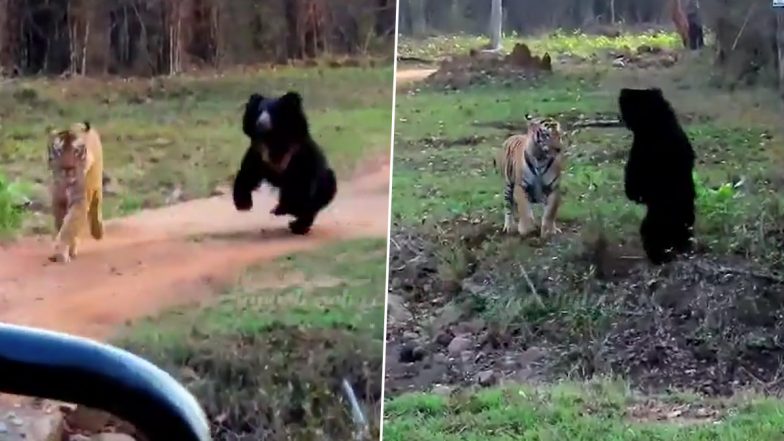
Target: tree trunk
418	18
496	24
612	11
780	43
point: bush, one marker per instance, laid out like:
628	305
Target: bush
11	203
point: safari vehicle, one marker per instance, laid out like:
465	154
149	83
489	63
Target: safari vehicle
57	366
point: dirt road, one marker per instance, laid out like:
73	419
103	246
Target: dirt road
406	76
170	256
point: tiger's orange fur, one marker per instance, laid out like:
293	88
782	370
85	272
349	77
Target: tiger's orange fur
532	164
76	162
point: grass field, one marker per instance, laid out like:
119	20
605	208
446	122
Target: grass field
580	412
483	308
266	358
173	139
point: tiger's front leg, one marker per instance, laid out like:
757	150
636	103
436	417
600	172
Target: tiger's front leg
526	224
509	207
67	240
550	213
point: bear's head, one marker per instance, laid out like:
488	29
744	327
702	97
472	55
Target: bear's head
644	110
275	125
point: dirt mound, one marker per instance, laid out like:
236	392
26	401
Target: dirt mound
480	66
708	324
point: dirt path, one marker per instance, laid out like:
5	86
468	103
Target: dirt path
170	256
405	76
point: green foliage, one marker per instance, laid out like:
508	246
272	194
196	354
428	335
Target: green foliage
557	43
11	212
716	204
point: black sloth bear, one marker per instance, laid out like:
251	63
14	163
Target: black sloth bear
658	173
283	154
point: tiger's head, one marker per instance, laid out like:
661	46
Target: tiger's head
545	136
68	151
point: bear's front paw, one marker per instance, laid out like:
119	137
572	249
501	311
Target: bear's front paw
300	227
243	203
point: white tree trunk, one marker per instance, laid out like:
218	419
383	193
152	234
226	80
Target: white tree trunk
612	11
780	42
496	24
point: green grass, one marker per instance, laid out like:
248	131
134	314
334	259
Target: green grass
10	213
184	132
433	145
579	412
560	43
447	196
270	352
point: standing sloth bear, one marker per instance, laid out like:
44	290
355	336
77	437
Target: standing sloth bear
283	154
658	173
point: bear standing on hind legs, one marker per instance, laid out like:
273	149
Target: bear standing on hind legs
283	154
658	173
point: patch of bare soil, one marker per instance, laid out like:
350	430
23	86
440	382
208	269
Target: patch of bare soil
704	323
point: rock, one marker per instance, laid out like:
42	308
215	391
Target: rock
467	356
30	424
112	437
448	315
474	326
439	358
410	336
396	310
411	353
441	390
444	338
87	419
220	190
175	196
531	355
459	344
486	378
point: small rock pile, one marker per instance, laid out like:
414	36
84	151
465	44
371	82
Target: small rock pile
37	420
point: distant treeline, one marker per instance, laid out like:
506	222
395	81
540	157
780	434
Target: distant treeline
526	16
152	37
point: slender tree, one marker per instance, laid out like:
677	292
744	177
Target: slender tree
496	24
780	44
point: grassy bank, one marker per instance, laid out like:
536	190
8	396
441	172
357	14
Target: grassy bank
266	358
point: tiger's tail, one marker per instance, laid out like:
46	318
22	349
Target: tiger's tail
96	220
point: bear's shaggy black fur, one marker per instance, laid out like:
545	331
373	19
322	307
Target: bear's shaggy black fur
283	154
659	173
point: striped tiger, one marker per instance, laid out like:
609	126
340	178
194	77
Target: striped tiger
76	162
532	165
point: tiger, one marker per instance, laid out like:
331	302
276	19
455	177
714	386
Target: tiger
76	163
532	164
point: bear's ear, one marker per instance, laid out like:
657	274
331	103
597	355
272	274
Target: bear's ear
253	101
291	100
